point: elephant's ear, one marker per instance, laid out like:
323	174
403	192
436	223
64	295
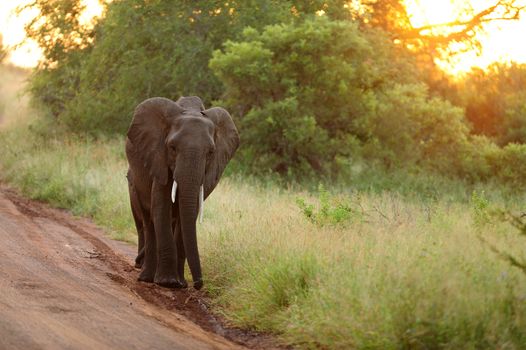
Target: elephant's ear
226	143
147	132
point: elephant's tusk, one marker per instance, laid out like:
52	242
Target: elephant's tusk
201	204
174	190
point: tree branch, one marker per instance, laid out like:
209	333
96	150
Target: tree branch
510	12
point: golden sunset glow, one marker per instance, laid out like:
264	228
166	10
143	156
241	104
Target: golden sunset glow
27	54
500	40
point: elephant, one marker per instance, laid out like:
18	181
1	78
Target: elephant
177	152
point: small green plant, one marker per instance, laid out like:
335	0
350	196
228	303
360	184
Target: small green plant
330	211
481	211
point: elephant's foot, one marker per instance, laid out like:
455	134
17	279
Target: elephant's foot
168	281
138	263
183	283
146	275
198	284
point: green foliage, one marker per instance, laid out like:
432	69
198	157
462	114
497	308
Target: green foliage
312	96
304	92
82	175
65	44
482	159
390	282
138	50
330	211
410	128
509	164
57	29
494	101
480	209
276	288
53	87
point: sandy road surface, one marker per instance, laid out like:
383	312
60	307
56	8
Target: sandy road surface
64	286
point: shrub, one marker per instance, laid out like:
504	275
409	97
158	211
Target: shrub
480	209
494	101
330	211
311	95
509	164
410	128
304	92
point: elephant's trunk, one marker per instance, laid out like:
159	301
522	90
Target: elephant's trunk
189	174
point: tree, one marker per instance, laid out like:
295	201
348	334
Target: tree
392	16
464	27
287	84
57	29
65	44
494	101
91	77
140	49
430	42
310	96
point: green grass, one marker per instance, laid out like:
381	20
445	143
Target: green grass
403	271
86	177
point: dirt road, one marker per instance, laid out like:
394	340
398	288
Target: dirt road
63	285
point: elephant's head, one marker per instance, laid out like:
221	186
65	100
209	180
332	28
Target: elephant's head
183	143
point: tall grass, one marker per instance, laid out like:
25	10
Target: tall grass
84	176
407	274
406	271
13	103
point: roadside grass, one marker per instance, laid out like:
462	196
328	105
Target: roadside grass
403	271
83	176
406	274
13	103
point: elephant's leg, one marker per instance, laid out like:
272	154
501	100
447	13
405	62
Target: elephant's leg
140	232
149	262
138	219
140	257
165	275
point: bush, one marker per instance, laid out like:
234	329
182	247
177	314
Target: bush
494	101
410	128
303	92
508	164
330	211
483	160
311	95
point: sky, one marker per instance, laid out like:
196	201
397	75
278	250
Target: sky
12	30
501	42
